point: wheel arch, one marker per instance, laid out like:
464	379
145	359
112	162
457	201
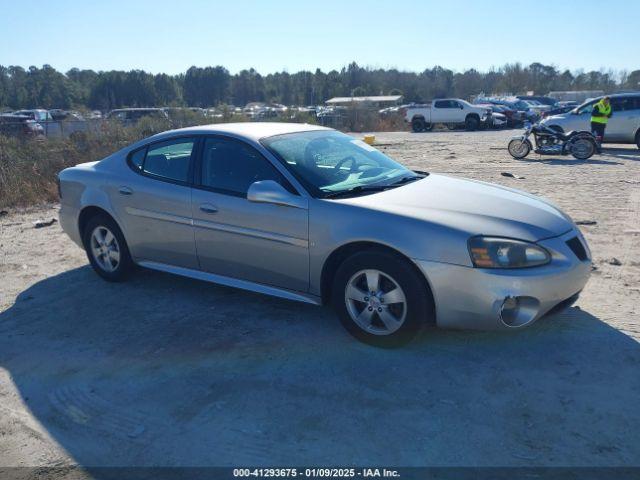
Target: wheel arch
340	254
472	115
90	211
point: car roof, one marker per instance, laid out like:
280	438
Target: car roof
252	130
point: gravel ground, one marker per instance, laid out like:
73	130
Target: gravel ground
170	371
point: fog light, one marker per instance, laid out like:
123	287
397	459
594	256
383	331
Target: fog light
509	303
518	311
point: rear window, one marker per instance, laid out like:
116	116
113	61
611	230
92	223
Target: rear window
170	160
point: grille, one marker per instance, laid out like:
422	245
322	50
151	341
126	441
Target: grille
577	248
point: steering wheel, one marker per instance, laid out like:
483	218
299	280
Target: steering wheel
350	158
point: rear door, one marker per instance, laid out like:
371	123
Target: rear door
445	111
154	203
258	242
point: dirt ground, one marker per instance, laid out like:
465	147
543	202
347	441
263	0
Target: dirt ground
169	371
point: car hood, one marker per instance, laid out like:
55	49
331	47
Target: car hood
471	207
559	116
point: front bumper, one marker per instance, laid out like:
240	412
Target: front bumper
474	298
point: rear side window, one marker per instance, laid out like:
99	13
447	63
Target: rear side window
443	104
170	159
137	158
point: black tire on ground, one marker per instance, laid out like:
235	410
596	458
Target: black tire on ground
419	303
418	125
519	149
125	264
471	123
586	149
638	138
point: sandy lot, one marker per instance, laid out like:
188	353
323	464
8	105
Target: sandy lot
169	371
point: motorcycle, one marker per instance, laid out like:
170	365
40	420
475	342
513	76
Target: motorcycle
548	141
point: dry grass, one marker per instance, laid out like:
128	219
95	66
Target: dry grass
29	168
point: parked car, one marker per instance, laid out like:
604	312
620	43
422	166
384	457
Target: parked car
12	125
447	111
498	117
310	214
622	127
527	113
130	116
62	115
551	102
37	114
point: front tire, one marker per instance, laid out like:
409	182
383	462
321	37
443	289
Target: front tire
380	298
519	149
472	123
107	249
638	139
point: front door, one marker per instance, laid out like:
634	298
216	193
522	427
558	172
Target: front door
258	242
154	203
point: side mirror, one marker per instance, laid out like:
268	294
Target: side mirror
268	191
461	107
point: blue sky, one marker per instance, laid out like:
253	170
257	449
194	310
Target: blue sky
170	36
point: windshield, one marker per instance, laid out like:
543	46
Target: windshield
327	162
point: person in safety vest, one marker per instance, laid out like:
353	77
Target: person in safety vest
600	114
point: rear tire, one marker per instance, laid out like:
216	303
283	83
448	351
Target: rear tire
418	125
638	139
107	249
519	149
585	148
398	308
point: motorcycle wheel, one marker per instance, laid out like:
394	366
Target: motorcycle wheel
519	148
583	148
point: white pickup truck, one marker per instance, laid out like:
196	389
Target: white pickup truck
447	111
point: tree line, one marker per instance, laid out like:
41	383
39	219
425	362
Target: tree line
211	86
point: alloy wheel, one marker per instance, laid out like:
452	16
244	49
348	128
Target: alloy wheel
375	302
105	248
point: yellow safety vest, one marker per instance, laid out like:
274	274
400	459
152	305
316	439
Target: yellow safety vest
605	110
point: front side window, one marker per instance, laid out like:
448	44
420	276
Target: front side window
586	108
169	159
327	162
230	166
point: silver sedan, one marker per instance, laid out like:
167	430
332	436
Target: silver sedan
310	214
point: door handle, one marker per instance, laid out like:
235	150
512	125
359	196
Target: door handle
208	208
125	191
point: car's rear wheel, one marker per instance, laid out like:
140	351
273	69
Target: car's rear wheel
638	139
418	125
107	249
380	298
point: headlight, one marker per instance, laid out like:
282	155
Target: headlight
492	252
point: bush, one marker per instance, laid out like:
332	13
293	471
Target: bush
29	167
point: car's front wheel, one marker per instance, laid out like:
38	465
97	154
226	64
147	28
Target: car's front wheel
107	249
381	298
